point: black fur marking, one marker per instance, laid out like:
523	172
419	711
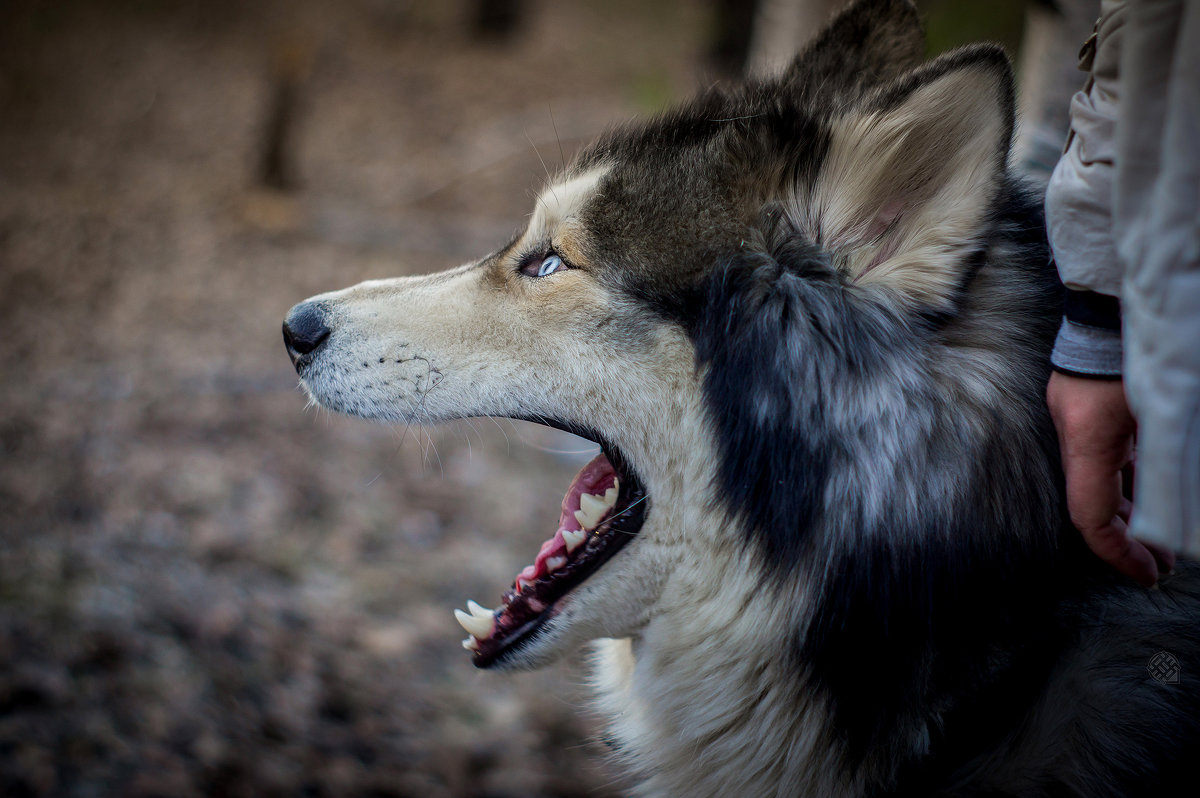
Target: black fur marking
648	175
866	44
807	381
751	339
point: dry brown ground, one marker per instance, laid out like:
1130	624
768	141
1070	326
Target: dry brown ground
206	589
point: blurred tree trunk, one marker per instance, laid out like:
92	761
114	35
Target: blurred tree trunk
496	19
731	41
781	28
291	63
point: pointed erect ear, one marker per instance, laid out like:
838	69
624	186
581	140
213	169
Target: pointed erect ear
902	195
867	43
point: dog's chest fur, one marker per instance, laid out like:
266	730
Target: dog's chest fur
688	716
812	316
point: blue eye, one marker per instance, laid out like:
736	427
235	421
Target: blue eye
545	267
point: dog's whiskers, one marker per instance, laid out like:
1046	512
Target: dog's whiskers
507	442
562	158
549	177
413	417
627	509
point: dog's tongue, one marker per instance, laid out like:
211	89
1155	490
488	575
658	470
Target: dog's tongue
578	513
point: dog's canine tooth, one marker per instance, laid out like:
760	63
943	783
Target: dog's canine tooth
860	305
478	627
573	538
591	510
479	611
594	506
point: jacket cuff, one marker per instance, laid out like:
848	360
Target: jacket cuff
1084	350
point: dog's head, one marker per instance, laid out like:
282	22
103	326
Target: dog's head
730	300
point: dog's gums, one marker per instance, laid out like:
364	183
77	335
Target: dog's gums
812	315
602	510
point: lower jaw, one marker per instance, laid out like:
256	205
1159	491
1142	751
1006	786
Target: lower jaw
496	650
532	603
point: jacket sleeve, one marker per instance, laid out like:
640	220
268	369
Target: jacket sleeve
1157	230
1079	211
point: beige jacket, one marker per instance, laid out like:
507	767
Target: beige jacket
1123	215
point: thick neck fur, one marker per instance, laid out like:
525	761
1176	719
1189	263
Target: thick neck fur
872	496
705	703
706	699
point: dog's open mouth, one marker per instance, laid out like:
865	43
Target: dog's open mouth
601	512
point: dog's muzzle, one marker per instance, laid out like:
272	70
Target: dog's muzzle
304	330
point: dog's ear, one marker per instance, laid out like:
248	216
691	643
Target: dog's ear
867	43
900	199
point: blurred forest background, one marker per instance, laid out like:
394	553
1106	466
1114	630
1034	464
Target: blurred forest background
205	587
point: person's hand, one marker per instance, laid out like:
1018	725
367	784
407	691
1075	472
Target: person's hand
1096	434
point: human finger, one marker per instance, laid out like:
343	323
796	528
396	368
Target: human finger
1112	543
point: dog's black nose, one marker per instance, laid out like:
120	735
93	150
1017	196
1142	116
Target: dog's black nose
304	330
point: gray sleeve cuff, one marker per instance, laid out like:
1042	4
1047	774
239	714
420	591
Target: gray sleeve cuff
1087	351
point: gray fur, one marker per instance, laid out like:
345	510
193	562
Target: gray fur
825	310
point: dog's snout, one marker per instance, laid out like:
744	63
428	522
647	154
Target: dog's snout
304	330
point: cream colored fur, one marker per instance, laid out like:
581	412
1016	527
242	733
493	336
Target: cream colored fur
484	341
902	191
691	674
471	342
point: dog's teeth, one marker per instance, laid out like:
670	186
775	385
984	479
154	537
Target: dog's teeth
478	611
573	538
592	505
610	495
479	627
554	563
590	511
471	644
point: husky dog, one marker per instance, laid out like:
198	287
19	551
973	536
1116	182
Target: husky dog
823	551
